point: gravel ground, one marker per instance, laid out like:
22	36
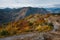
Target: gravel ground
35	36
29	36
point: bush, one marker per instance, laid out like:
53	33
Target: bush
30	24
4	33
51	25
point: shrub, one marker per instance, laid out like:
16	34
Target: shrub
51	25
30	24
4	33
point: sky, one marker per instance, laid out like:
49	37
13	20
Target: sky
29	3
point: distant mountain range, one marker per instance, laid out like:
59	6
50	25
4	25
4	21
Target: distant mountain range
53	10
8	15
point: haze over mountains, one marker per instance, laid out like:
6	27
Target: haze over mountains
53	10
8	14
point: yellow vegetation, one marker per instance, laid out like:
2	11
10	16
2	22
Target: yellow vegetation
29	23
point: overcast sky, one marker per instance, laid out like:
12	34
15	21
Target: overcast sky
26	3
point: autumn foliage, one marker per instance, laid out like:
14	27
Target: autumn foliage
31	23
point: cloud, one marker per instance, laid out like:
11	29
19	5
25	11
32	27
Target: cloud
25	3
57	5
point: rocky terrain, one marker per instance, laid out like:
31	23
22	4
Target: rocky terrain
29	23
49	35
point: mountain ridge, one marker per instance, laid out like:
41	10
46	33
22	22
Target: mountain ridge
14	14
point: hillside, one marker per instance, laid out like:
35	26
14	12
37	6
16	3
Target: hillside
29	23
33	27
8	15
